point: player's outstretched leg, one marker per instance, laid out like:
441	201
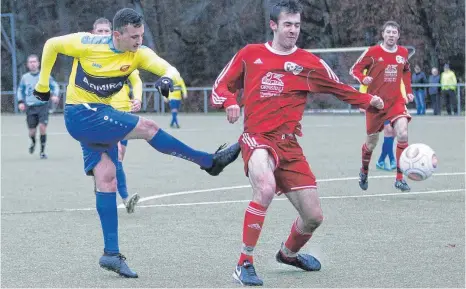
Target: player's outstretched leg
167	144
104	176
401	130
310	217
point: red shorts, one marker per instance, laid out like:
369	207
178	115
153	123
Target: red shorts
292	171
375	120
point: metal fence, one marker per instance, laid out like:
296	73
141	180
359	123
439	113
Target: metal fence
198	100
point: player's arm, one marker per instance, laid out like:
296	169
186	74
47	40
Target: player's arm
72	45
136	84
184	91
228	83
20	94
362	64
322	79
150	61
407	78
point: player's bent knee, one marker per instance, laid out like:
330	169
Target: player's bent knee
263	195
313	220
147	127
371	141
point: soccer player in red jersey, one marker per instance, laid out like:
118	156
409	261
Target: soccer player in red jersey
275	78
389	76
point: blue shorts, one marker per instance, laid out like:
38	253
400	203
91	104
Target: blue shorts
124	142
175	104
99	128
386	122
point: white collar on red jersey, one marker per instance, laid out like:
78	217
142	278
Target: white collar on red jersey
389	51
273	50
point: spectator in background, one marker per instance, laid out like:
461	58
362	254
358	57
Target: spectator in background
419	77
434	92
448	82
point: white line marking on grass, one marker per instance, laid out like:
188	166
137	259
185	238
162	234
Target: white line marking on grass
182	193
283	199
121	206
241	201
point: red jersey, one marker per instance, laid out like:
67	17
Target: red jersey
275	86
389	70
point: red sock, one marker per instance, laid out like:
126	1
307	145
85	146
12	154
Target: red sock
252	227
366	158
296	240
400	147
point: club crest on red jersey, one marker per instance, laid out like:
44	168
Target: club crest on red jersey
293	67
400	59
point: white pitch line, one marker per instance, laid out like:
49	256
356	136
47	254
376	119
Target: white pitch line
121	206
243	201
283	199
248	186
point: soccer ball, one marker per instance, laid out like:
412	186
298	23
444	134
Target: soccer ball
418	162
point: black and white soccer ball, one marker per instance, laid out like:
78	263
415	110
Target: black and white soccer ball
418	162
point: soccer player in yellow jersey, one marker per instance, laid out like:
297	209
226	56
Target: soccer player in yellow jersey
101	65
174	99
122	101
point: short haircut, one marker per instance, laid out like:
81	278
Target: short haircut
287	6
33	56
392	24
126	16
102	21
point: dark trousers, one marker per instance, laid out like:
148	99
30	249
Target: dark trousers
450	100
436	103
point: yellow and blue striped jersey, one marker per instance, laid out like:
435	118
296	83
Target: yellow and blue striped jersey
121	100
99	70
179	90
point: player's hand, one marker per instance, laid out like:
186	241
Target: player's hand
44	96
55	99
376	102
410	97
165	85
233	112
367	80
135	105
22	106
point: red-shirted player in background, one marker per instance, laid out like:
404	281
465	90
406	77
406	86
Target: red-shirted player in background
388	76
276	78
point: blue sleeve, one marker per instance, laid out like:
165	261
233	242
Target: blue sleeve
54	87
20	92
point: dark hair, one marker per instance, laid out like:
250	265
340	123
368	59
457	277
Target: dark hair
102	21
126	16
391	23
287	6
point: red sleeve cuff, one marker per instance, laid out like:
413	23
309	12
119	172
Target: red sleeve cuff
229	102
